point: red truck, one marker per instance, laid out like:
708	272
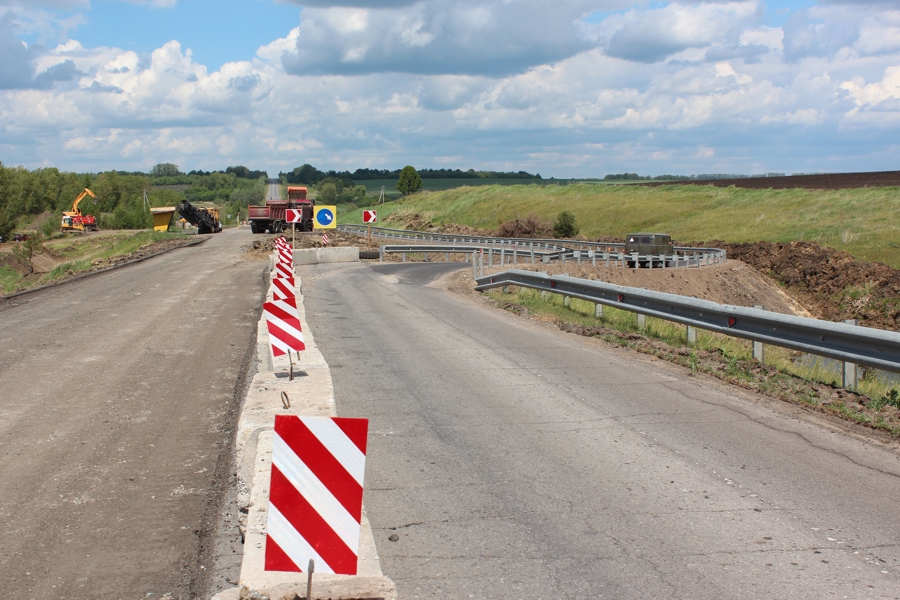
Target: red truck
272	218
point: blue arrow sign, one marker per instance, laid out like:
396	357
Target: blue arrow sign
324	217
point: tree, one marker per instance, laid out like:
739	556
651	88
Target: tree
565	226
165	170
24	252
327	193
410	182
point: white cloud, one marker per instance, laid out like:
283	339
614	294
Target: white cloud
675	88
474	37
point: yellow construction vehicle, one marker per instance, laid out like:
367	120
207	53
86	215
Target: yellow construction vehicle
73	220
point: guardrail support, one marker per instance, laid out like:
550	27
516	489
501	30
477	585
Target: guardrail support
850	379
691	335
759	349
641	321
567	301
598	310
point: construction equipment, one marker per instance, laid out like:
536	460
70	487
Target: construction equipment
206	219
272	216
73	220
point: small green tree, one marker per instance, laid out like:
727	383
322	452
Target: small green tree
327	193
565	226
410	182
24	252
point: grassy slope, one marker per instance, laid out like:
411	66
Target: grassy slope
861	221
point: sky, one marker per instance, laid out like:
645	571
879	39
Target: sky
564	88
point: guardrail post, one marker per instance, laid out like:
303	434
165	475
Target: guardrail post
515	254
691	335
577	256
490	256
641	321
532	252
650	261
759	349
474	264
447	256
505	289
567	301
598	310
425	254
380	254
850	379
404	257
592	254
543	294
502	255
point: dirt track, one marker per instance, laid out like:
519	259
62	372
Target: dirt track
116	415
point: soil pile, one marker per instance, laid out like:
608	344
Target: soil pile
830	283
733	283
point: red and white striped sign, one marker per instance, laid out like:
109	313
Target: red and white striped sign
280	242
283	269
286	255
324	238
294	216
283	287
316	492
369	216
283	323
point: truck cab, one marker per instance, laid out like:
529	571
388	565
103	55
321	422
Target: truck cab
657	245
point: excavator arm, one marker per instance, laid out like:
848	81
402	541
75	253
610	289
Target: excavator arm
80	197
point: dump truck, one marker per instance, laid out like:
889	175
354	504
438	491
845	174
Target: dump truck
272	217
206	219
73	220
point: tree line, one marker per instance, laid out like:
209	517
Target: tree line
120	202
307	174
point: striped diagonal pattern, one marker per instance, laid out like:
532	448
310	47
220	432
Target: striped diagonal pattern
286	254
283	323
283	287
283	269
316	492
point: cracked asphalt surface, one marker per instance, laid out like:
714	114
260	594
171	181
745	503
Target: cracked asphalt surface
118	400
510	460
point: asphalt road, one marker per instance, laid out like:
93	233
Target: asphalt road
118	396
509	460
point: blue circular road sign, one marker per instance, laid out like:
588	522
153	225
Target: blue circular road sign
324	217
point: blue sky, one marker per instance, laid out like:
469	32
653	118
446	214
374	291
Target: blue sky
566	88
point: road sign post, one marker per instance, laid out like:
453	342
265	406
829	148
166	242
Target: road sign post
294	216
369	217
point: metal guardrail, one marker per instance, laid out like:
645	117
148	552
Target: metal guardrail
840	341
714	255
611	254
513	254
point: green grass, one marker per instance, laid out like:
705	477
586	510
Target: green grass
736	351
860	221
80	253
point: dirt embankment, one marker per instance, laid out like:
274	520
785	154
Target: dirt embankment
733	283
830	283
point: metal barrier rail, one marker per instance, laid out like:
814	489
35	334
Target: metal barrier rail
713	255
514	253
840	341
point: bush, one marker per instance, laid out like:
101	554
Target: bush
565	226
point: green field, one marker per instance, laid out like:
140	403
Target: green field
861	221
436	185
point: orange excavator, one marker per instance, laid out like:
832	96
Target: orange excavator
73	220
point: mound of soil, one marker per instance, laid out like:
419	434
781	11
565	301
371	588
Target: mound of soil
830	283
733	283
263	245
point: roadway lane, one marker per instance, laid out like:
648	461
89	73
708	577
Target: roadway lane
509	460
118	398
